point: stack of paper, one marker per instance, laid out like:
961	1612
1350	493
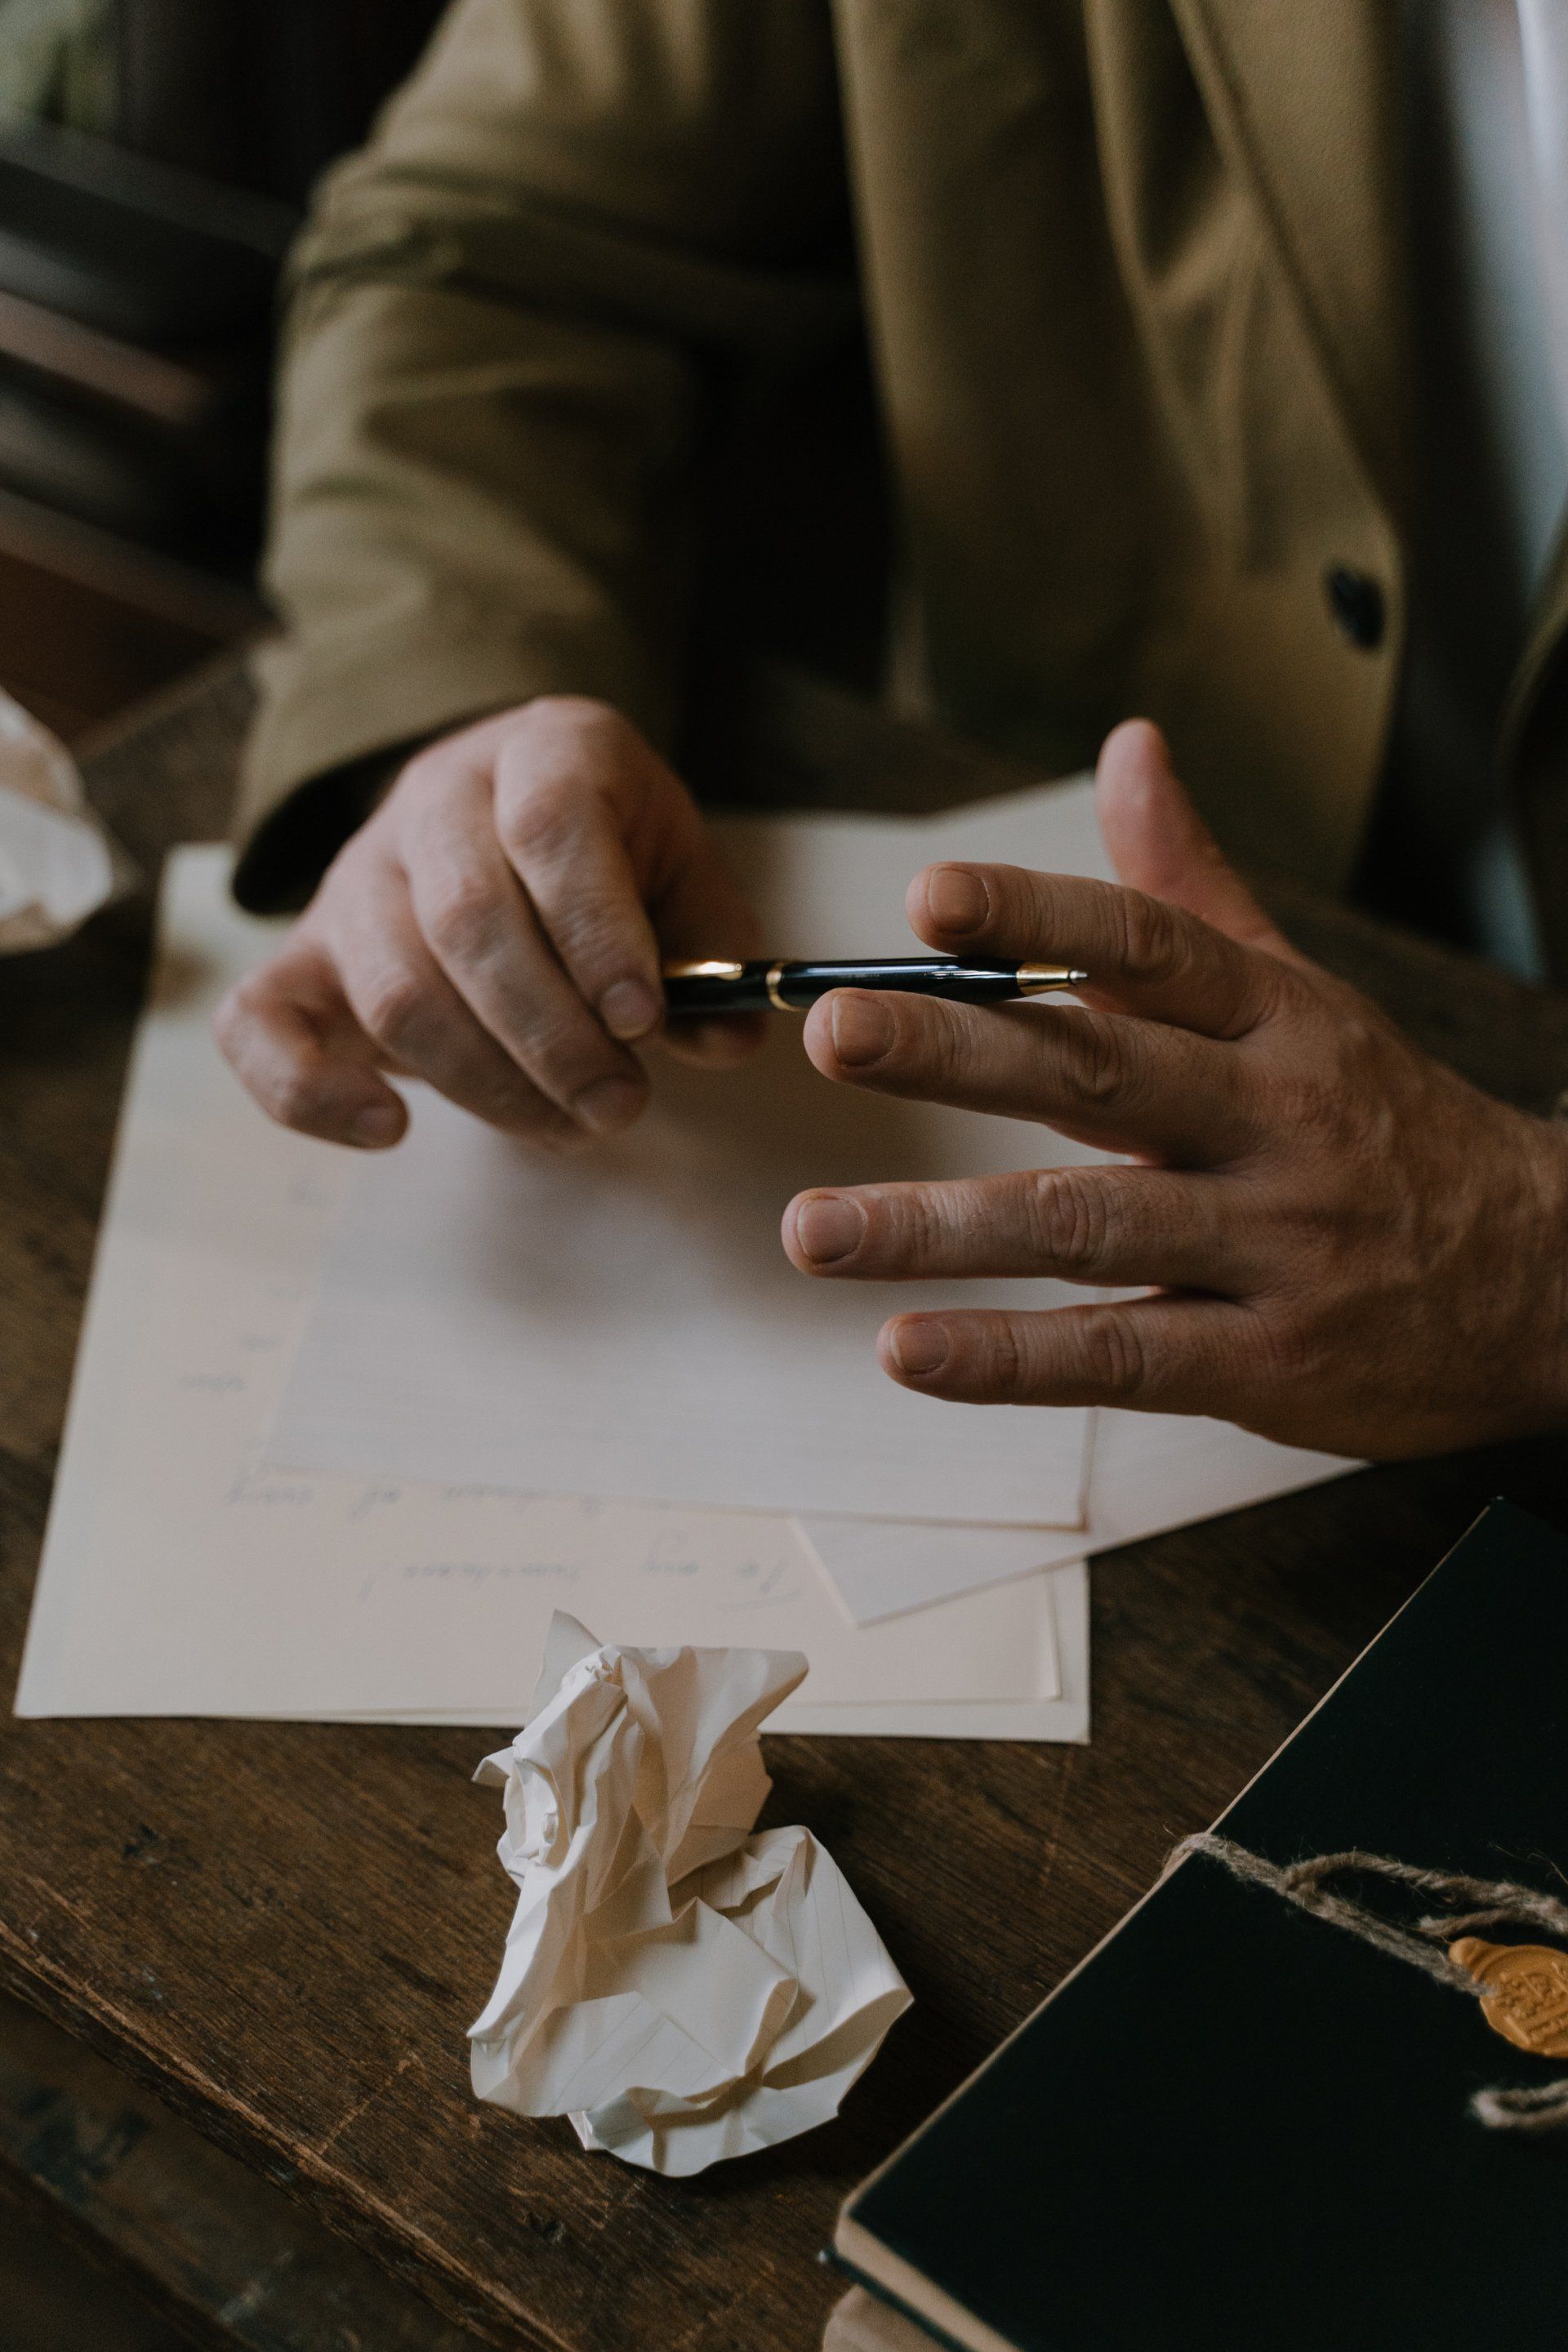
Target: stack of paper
628	1323
182	1575
346	1433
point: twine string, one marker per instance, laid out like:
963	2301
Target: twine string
1495	1903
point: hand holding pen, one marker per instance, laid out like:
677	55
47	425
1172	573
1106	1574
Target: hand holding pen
497	929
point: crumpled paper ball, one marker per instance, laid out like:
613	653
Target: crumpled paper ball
681	1990
58	863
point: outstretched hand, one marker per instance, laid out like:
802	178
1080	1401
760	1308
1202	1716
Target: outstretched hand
1343	1243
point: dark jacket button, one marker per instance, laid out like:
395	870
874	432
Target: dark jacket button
1355	600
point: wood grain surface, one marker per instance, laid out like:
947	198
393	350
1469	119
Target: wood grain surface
284	1929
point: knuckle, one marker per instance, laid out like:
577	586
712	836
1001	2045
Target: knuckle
393	1005
1154	942
427	769
1273	991
1312	1103
591	936
1002	1368
910	1228
578	717
1071	1217
539	820
1363	1037
1285	1346
1314	1095
1102	1067
1114	1360
460	914
563	738
929	1034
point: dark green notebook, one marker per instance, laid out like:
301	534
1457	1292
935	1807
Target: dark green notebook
1237	2129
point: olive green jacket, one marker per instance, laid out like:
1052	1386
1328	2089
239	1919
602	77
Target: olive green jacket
572	379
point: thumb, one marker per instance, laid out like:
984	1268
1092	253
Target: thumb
1161	846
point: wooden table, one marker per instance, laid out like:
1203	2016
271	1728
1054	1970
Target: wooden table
285	1929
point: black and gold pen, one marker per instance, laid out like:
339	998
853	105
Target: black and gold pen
719	987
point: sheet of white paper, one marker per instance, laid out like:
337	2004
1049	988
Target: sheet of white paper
180	1577
1148	1473
630	1326
685	1992
1064	1717
1061	1717
57	865
625	1324
884	1568
846	876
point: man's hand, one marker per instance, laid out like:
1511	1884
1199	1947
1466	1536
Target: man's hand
1349	1246
495	929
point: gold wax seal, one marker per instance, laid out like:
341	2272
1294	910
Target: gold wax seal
1526	2000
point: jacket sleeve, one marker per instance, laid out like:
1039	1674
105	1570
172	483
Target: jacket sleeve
515	324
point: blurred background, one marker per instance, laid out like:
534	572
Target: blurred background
155	156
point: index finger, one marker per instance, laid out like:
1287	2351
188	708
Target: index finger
1142	954
608	909
290	1039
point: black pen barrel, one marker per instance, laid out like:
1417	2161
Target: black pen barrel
801	984
791	986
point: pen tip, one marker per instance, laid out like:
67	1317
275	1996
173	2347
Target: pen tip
1077	979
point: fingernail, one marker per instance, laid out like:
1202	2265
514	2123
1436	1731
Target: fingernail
919	1345
628	1008
829	1227
377	1126
608	1103
862	1028
955	900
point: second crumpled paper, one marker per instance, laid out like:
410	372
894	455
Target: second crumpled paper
682	1989
58	864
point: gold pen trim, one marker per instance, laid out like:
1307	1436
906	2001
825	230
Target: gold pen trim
780	1004
1034	979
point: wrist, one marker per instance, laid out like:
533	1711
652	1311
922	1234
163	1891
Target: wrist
292	846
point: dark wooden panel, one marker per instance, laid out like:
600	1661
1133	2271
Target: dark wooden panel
89	625
284	1929
58	2296
100	2167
